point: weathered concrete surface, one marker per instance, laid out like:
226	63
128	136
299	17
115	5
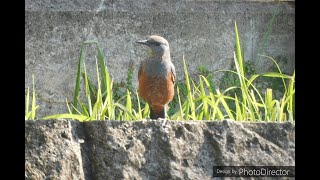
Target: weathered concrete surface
151	149
52	151
202	30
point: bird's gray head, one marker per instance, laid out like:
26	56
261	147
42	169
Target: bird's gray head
159	45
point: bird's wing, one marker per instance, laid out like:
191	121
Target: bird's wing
140	70
173	72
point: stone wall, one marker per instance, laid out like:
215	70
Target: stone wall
148	149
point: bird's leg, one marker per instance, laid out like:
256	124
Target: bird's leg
162	113
152	114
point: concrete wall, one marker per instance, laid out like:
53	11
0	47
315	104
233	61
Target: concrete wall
99	150
202	30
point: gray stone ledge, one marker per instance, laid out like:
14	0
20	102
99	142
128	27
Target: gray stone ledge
149	149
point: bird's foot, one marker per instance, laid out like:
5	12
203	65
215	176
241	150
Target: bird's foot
164	121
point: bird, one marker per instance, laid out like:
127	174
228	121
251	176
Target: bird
156	76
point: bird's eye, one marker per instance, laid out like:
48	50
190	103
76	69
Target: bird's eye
156	43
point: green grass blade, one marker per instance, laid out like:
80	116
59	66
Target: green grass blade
214	103
97	107
269	104
243	87
68	107
239	116
33	105
204	100
27	102
87	91
255	106
77	86
238	50
103	69
84	109
77	111
139	106
275	74
189	96
274	109
279	70
27	116
225	105
128	106
120	115
253	77
127	111
146	110
179	100
281	109
109	96
291	91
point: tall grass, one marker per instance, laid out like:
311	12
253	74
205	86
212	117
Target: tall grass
99	101
201	100
204	103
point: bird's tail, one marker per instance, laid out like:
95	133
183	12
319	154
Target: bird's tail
157	111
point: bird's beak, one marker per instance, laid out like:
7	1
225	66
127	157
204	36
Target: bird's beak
145	42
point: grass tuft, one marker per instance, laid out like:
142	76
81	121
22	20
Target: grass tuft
31	115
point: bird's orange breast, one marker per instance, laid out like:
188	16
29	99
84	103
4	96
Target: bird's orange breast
156	90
